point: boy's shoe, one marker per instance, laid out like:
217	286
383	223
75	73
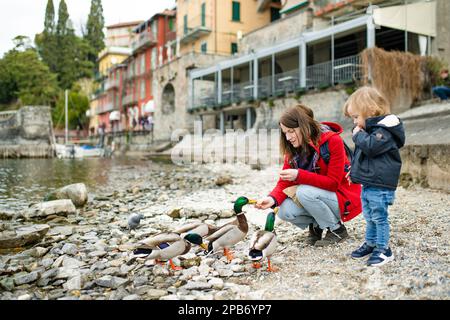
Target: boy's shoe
315	234
333	237
380	257
362	251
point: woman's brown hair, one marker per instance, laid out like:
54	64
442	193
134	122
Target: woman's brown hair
302	117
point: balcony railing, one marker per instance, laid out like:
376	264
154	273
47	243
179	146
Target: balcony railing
322	75
344	70
106	108
6	115
143	40
196	28
129	99
111	84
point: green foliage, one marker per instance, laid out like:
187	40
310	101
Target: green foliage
434	66
78	104
49	23
25	78
95	36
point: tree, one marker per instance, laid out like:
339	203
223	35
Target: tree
46	43
78	104
49	23
25	78
94	29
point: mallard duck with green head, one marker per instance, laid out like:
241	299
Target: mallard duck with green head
264	242
167	245
231	233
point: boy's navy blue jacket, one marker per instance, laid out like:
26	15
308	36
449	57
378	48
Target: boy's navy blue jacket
377	161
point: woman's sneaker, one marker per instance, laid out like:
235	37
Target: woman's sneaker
315	234
380	257
333	237
362	251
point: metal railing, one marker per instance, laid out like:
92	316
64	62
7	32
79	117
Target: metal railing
195	28
321	75
144	39
6	115
344	70
111	84
129	99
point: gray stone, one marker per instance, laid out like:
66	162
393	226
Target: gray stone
160	270
77	193
69	248
225	272
194	285
25	278
216	283
72	262
111	282
23	236
132	297
99	253
61	230
74	283
154	294
25	297
7	284
46	262
45	209
140	281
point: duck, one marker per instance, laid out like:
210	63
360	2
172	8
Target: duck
200	228
167	245
264	242
231	233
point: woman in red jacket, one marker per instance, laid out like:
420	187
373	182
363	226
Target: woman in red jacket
325	195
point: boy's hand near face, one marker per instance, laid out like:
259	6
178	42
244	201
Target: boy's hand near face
357	129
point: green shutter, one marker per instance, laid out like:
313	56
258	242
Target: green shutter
203	14
185	25
234	48
204	48
171	24
236	11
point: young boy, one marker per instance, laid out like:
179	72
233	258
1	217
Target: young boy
376	165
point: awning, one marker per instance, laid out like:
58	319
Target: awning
114	116
417	18
149	107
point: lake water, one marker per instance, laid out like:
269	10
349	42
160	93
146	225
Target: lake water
27	181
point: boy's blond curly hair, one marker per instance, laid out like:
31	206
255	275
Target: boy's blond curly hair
367	101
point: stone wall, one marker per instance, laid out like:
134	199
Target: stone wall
177	74
427	166
27	134
275	33
442	41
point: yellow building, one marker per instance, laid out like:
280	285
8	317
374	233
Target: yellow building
111	56
93	117
215	26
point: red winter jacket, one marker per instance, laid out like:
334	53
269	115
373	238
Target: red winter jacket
330	177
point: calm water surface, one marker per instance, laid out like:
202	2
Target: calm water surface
26	181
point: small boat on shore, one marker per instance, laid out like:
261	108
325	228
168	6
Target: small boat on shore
74	151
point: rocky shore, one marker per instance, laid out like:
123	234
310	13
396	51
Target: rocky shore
86	253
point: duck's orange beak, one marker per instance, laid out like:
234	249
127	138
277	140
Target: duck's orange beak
204	246
251	201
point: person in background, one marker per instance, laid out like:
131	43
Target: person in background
442	90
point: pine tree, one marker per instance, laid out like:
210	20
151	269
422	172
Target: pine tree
46	41
95	24
49	23
63	25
